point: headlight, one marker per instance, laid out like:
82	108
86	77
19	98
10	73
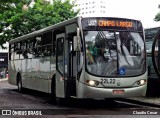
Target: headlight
141	82
92	82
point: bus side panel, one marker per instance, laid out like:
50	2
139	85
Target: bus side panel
28	73
12	73
38	79
14	68
33	82
45	72
23	73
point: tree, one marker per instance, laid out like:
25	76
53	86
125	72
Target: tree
7	4
8	10
17	21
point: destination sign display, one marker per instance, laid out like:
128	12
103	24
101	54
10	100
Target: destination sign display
115	23
111	23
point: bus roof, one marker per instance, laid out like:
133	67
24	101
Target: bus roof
32	34
66	22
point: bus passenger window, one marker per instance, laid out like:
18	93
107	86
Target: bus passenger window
38	40
46	50
30	46
59	47
17	46
60	61
47	38
11	50
24	49
54	47
47	44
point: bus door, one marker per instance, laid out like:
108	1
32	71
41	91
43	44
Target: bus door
61	65
72	67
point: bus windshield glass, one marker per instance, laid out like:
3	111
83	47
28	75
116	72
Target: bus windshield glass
110	53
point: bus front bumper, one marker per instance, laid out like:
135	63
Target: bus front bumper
85	91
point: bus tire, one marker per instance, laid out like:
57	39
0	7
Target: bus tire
19	84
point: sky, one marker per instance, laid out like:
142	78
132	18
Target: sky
143	10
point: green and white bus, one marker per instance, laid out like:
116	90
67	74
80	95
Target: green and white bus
150	34
92	57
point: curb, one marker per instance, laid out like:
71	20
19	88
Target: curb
140	102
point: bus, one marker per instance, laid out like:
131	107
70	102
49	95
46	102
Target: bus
150	34
155	53
83	57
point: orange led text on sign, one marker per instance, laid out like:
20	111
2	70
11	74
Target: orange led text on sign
115	23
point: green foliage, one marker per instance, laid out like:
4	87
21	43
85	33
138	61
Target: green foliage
15	21
7	5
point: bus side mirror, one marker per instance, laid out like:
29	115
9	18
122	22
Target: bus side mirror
76	43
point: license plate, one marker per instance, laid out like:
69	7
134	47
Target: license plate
117	92
108	81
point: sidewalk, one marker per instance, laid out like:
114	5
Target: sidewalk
151	99
4	79
153	93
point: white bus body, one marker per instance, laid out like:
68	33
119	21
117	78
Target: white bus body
64	59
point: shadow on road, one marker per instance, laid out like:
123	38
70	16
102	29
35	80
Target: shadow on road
73	102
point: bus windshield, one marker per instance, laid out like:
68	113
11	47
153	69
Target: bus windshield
110	53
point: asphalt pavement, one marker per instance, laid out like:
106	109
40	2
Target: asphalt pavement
150	98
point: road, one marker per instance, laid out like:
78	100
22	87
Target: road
21	103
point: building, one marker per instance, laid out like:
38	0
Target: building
91	7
